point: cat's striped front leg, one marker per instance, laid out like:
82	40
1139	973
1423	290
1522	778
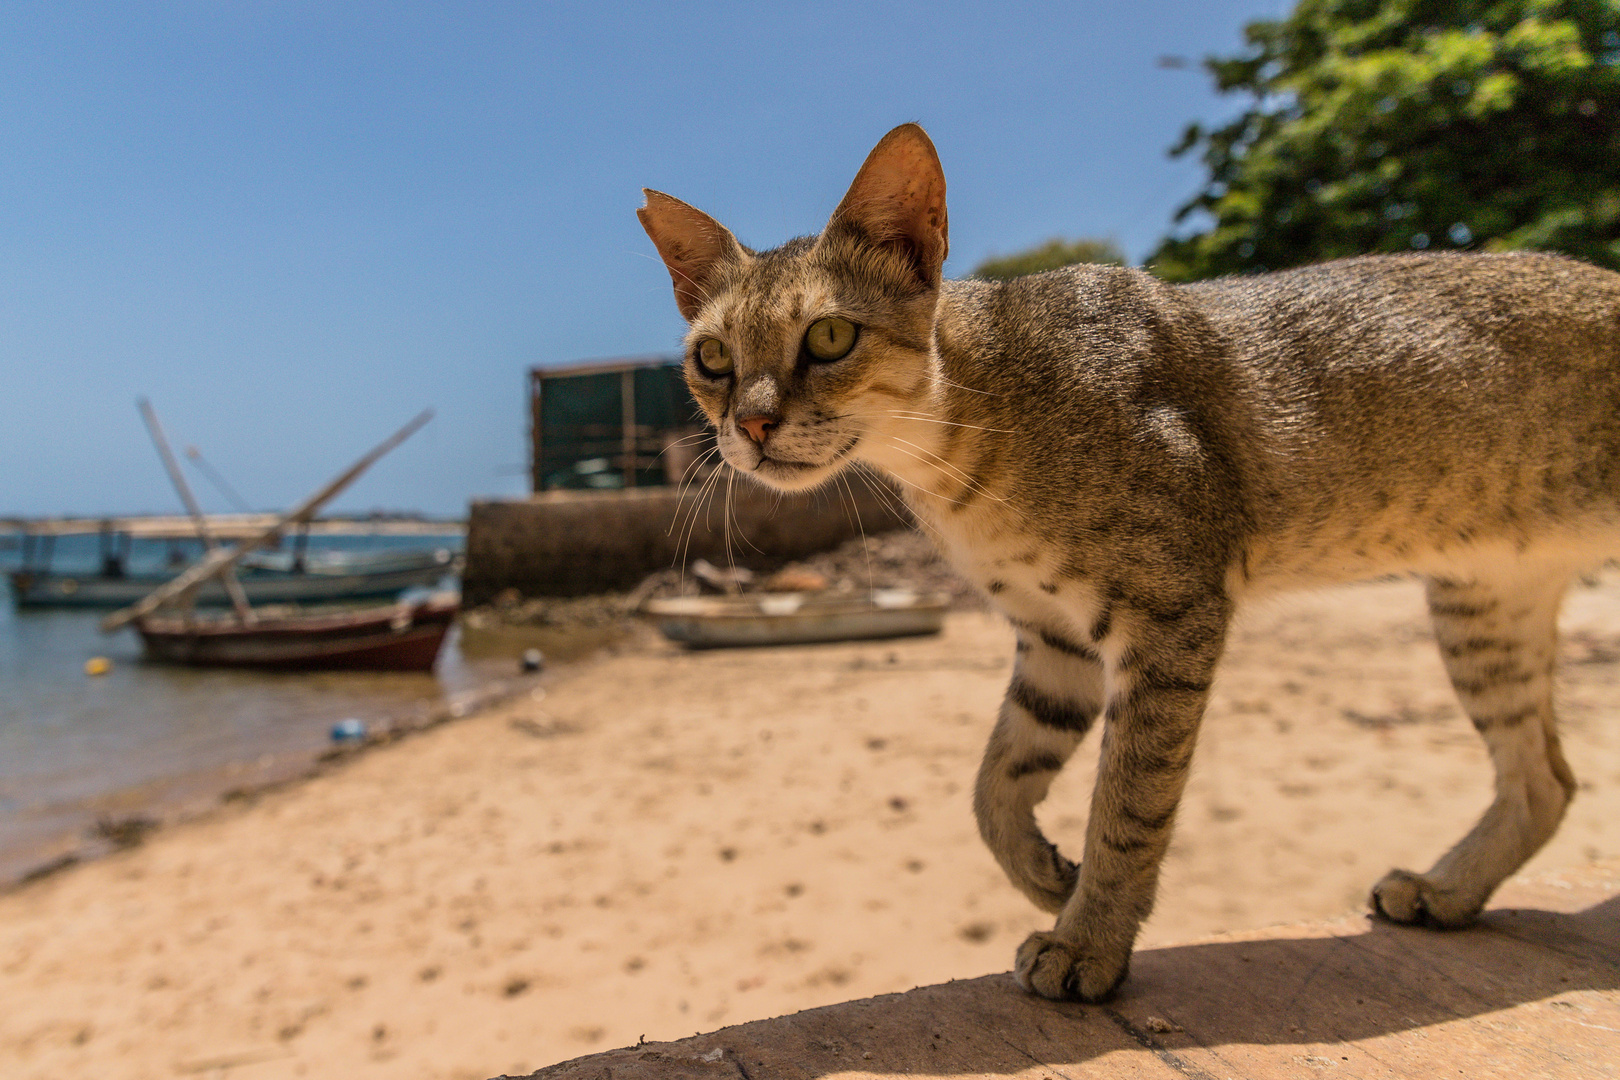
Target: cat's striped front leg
1055	695
1158	685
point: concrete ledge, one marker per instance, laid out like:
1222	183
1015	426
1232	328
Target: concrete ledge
1532	991
569	543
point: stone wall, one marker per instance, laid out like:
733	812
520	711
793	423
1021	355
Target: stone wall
569	543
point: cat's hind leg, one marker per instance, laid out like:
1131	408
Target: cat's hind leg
1499	641
1054	697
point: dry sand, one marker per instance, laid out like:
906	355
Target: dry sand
668	842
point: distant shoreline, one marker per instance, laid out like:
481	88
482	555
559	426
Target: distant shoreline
228	525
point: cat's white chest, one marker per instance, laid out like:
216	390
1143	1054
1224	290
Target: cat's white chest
1024	579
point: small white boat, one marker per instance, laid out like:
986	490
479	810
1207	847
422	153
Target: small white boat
706	622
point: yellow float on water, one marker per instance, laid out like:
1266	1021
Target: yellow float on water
97	665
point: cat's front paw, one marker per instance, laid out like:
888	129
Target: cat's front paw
1405	897
1064	970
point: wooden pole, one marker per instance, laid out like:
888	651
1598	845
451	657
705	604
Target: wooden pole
239	600
537	432
627	424
221	559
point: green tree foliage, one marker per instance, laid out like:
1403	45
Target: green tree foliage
1393	125
1049	256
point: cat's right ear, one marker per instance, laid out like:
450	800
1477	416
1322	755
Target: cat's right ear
693	246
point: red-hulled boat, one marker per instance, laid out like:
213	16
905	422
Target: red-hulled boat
402	637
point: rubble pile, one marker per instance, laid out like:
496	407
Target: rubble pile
904	559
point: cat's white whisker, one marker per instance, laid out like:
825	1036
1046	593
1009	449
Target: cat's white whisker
919	487
887	495
725	523
898	504
942	379
682	442
681	546
731	515
950	423
699	505
691	472
866	548
698	287
942	463
688	478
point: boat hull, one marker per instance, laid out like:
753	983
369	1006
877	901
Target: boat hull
402	637
794	619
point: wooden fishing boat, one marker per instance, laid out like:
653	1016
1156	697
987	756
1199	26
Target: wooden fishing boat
399	637
705	622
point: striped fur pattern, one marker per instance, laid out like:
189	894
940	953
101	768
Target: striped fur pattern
1117	463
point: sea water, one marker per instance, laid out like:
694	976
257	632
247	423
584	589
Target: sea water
143	739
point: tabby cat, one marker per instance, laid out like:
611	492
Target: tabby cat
1118	462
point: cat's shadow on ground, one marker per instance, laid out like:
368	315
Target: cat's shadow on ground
1305	992
1217	1006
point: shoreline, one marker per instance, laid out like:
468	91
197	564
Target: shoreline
126	817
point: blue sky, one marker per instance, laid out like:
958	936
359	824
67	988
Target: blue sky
292	226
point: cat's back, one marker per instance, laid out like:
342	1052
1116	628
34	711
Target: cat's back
1422	401
1400	347
1393	311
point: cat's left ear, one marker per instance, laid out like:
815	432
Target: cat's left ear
692	244
898	200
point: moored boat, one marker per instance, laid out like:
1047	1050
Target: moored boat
399	637
267	578
403	636
701	622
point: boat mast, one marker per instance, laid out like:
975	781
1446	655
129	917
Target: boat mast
239	600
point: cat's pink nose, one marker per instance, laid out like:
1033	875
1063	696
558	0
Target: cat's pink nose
758	428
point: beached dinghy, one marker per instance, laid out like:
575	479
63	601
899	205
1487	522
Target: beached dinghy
702	622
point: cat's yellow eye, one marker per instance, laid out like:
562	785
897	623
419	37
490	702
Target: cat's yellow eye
714	356
830	338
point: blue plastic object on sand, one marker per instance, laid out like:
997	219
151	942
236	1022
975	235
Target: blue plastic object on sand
350	730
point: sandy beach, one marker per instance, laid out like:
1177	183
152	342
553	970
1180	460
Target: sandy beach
665	842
